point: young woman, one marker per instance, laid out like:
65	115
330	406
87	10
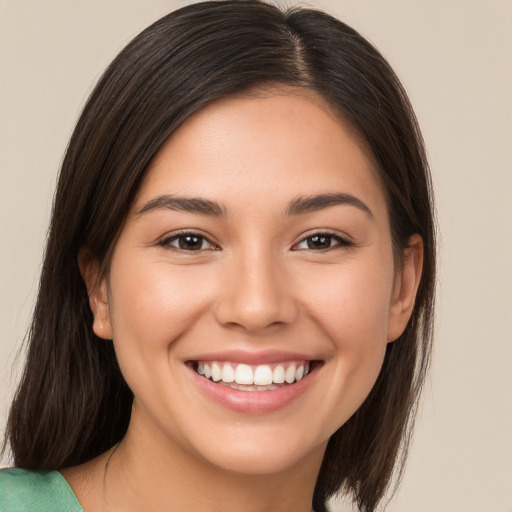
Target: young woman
235	306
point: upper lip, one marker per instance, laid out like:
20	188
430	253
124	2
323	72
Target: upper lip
252	358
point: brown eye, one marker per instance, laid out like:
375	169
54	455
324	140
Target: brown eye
188	242
322	242
319	241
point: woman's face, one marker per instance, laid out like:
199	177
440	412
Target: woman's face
258	249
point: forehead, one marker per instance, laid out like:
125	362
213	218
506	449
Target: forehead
263	148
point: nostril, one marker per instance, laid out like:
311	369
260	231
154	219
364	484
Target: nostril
249	314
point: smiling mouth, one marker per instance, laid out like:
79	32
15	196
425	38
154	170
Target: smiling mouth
245	377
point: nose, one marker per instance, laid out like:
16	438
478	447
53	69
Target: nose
256	294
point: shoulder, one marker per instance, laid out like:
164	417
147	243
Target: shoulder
29	491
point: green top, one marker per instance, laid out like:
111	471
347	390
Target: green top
35	491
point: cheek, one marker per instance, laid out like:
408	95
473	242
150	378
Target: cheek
353	314
352	304
151	307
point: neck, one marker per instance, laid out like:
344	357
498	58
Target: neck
147	472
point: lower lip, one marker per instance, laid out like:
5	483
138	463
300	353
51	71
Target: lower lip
253	402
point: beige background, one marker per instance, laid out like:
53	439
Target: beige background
455	59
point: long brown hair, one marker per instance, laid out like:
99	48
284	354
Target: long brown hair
72	403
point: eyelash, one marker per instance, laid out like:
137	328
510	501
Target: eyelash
339	242
321	237
177	237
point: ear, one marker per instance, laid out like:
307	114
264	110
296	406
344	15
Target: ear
97	289
406	285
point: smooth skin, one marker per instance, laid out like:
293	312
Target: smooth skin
252	277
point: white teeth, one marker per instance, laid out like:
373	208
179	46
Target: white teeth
290	374
228	374
216	372
243	387
279	374
263	375
262	378
243	374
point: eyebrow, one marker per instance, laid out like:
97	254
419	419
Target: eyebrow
196	205
298	206
308	204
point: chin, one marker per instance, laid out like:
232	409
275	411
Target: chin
260	449
257	460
